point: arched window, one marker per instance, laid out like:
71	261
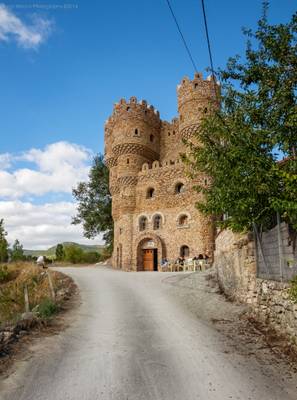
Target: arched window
142	223
136	132
179	188
128	161
183	220
150	193
184	251
157	222
152	138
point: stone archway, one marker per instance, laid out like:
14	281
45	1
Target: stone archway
149	241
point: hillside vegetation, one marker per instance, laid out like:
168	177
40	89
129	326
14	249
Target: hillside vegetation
51	251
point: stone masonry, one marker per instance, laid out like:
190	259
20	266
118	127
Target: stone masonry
153	200
236	267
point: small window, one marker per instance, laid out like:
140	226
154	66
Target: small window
173	132
179	188
128	108
184	251
183	220
136	132
205	110
157	222
142	223
169	133
152	138
150	193
128	161
196	85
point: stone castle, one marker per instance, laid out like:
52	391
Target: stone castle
153	200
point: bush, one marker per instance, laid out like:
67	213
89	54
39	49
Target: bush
76	255
73	254
4	273
293	289
47	308
91	257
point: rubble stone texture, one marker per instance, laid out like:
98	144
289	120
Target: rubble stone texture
236	268
148	181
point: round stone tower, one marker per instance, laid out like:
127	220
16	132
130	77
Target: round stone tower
132	137
195	99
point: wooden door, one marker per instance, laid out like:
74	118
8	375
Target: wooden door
148	260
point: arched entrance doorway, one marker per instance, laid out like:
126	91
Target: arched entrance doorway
150	251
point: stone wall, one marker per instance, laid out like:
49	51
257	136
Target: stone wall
235	264
272	304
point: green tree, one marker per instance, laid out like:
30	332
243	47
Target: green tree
94	203
60	254
17	252
3	243
239	144
74	254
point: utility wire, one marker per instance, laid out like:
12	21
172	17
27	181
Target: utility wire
207	38
182	36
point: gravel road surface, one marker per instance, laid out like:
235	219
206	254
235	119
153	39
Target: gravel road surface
143	336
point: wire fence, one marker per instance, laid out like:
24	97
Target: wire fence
276	252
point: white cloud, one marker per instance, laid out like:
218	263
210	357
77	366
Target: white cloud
5	160
27	36
41	226
58	168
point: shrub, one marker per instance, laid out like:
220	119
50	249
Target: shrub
47	308
4	273
91	257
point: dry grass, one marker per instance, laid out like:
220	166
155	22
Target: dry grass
12	281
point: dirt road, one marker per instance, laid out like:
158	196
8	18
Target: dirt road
143	336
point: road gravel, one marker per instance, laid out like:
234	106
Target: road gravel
144	336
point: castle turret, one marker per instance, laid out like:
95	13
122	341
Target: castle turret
132	137
195	99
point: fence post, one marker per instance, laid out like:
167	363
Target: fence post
280	245
26	296
51	286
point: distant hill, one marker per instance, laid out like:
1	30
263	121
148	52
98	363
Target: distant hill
51	252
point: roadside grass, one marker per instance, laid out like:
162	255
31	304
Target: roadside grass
47	308
13	279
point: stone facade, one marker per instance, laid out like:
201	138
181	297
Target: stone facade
153	200
236	268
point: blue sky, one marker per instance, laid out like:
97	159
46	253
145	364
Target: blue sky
62	68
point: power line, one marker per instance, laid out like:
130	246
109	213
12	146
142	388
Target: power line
207	37
182	36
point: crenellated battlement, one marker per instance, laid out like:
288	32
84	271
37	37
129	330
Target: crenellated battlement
157	165
198	88
132	109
